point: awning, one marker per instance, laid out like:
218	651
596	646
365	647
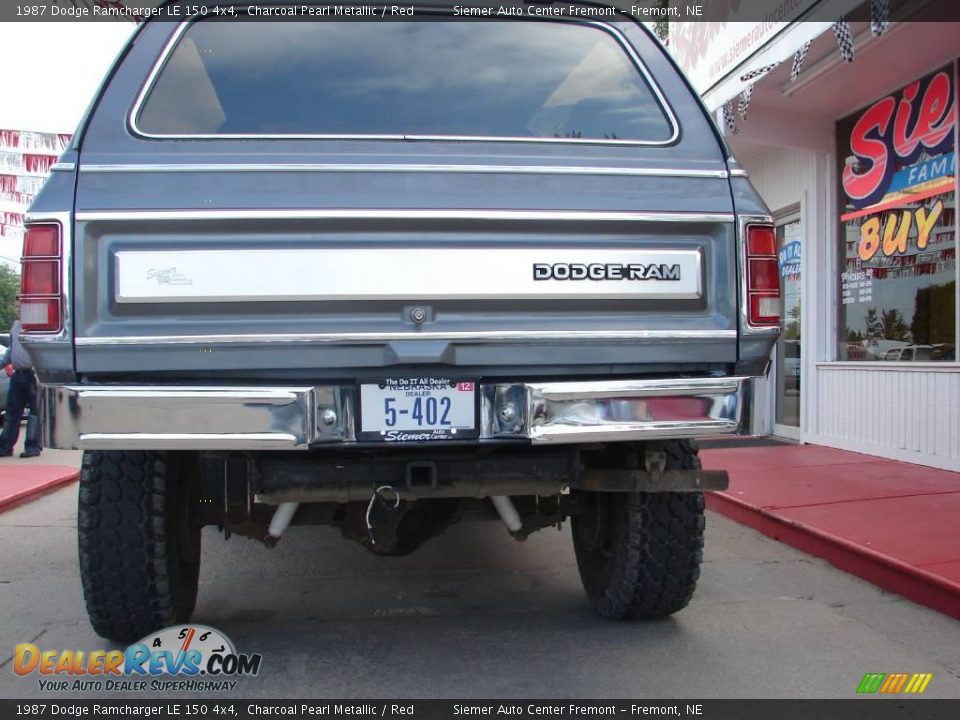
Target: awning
724	57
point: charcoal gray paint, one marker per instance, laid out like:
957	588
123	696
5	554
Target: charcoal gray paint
107	140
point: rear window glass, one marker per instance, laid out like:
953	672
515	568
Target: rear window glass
522	79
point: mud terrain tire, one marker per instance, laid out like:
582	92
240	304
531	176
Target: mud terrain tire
139	551
639	554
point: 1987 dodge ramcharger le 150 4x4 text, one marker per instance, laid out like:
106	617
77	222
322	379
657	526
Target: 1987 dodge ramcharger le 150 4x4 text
389	276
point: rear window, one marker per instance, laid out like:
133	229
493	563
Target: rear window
529	80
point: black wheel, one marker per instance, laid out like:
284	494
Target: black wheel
639	554
139	549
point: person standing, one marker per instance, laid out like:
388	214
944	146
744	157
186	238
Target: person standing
21	393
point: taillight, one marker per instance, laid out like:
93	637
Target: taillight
763	276
41	296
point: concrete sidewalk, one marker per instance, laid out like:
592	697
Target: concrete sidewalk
891	523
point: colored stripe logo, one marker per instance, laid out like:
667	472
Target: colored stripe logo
894	683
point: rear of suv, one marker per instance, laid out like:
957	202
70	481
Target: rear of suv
392	276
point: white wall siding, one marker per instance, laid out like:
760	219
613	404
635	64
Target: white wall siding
909	414
761	421
781	175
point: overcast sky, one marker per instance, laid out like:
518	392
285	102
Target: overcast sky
49	71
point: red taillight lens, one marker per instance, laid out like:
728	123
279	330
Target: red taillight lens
763	276
40	291
761	241
42	241
42	277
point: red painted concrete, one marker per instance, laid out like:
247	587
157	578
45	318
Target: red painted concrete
918	530
782	456
20	483
891	523
812	485
949	570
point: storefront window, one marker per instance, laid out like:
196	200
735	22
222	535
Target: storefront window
898	189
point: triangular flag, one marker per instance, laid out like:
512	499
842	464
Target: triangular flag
844	38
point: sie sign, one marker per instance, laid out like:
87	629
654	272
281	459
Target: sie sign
893	132
897	157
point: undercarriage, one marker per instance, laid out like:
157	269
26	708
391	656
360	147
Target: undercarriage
636	511
393	501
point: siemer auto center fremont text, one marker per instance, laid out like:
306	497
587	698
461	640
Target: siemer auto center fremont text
573	11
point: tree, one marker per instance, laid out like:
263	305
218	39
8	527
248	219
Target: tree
791	327
874	327
887	325
894	328
662	30
662	27
9	287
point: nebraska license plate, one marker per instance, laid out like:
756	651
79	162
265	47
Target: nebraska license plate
418	409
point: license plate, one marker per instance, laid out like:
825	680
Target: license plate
418	409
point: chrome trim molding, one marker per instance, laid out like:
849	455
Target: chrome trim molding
296	418
63	167
567	391
403	168
736	172
168	49
467	336
189	441
406	214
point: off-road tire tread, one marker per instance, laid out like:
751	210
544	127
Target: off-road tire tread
657	546
130	583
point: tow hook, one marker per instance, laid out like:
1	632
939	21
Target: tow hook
380	505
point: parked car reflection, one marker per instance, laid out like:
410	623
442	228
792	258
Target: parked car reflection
910	353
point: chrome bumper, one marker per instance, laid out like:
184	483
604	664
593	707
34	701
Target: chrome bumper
163	417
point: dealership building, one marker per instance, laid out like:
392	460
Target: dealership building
845	120
25	161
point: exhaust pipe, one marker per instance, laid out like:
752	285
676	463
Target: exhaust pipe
281	519
507	512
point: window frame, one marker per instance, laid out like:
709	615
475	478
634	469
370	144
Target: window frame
610	28
834	220
781	218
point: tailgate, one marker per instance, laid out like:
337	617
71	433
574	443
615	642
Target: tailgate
241	218
308	283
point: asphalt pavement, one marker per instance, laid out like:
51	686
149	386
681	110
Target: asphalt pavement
475	614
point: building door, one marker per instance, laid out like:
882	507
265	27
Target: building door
787	375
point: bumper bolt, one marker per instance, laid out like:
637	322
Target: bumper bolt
507	413
328	417
418	315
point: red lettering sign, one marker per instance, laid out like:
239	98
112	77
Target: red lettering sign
893	132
